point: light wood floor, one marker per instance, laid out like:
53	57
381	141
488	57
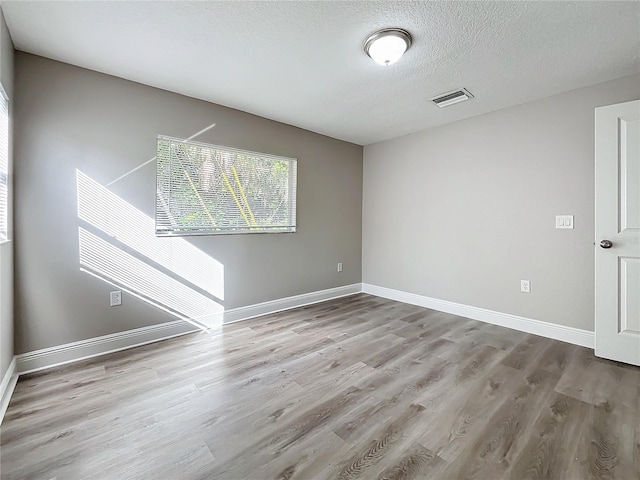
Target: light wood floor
359	387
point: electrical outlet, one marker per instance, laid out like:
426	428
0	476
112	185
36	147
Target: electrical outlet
115	298
525	286
339	266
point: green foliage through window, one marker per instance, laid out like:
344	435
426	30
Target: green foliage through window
209	189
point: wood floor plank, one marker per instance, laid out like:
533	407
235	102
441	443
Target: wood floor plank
506	431
355	388
366	457
526	352
463	422
552	448
636	443
606	445
416	462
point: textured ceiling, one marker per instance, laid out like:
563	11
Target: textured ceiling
302	63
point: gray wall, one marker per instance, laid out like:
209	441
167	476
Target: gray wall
68	118
6	248
465	211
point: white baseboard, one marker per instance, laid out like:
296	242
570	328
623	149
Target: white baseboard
93	347
259	309
7	386
572	335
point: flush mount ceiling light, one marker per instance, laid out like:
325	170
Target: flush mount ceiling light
386	46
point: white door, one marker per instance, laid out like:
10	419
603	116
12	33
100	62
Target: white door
618	232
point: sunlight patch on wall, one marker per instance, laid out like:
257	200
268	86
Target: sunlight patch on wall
106	211
117	244
109	261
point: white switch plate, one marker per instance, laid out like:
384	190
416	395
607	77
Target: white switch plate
564	221
115	298
340	267
525	286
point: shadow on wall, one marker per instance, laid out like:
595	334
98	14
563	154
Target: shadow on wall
117	244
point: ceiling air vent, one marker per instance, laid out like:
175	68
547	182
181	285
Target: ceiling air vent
449	98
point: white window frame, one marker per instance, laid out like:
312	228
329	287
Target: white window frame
162	227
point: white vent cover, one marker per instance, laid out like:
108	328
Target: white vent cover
449	98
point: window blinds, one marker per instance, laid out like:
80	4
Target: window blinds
4	165
208	189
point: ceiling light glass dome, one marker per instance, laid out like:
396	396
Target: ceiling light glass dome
386	46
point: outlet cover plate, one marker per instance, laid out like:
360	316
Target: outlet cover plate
564	221
115	298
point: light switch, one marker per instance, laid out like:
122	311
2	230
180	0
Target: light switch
564	221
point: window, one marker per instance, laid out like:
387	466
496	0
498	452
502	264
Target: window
207	189
4	166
